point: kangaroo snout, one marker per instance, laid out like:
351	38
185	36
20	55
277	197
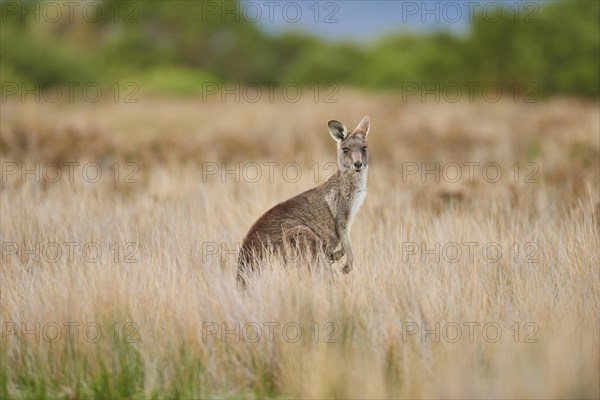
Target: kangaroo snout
358	165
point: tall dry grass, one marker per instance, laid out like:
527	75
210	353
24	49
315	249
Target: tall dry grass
388	329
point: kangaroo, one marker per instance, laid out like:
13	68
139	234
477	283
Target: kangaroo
319	219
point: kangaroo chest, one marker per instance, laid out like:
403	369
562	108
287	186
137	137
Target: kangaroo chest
356	200
345	199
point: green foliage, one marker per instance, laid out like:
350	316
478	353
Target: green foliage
40	59
559	49
326	63
411	58
172	47
572	46
173	80
115	372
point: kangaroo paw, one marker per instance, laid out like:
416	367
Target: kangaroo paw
336	255
346	268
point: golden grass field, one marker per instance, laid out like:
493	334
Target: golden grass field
482	286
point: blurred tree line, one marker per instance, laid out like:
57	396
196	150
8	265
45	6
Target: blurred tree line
175	46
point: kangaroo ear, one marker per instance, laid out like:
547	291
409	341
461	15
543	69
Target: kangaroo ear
364	126
338	130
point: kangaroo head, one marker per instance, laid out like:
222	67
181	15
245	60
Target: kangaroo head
352	151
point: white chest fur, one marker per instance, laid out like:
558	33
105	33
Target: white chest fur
346	195
357	200
357	196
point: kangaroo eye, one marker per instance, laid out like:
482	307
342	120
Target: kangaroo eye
345	150
364	149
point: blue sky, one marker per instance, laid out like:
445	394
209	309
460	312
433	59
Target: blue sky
365	20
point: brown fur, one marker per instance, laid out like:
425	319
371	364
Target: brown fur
315	222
